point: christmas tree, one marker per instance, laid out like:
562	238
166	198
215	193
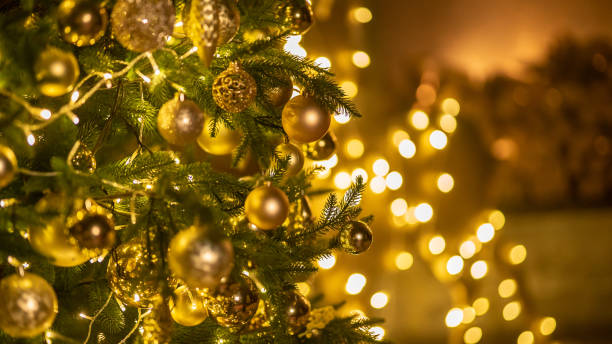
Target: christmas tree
152	179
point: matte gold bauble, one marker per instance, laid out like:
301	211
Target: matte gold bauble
296	158
322	149
56	72
187	308
198	260
93	229
142	25
28	305
280	94
8	165
234	302
81	22
224	141
234	89
133	274
157	327
356	237
180	121
298	308
299	17
266	207
84	160
304	120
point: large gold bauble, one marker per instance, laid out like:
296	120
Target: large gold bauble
266	207
298	309
356	237
304	120
322	149
8	165
81	22
299	17
296	157
157	327
180	122
212	23
93	229
133	274
224	141
84	160
142	25
187	307
56	72
280	94
234	302
28	305
198	260
234	89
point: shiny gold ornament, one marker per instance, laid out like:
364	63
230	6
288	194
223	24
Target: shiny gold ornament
296	158
356	237
93	229
233	302
280	94
180	121
259	320
266	207
299	17
322	149
81	22
157	327
187	308
224	141
84	160
56	72
298	309
28	305
142	25
304	120
133	274
234	89
8	165
198	260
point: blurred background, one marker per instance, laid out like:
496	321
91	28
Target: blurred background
486	146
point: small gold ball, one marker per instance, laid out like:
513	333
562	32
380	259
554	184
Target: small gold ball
8	165
180	122
56	72
298	309
81	22
280	94
300	18
223	143
356	237
93	229
267	207
142	25
84	160
234	302
304	120
234	89
296	158
157	327
322	149
187	308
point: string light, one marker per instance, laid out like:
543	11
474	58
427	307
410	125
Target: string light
419	120
467	249
349	88
379	300
359	172
469	315
511	311
485	232
404	260
525	337
341	118
479	269
454	317
380	167
445	182
423	212
45	114
362	15
438	139
547	326
378	184
378	332
355	283
394	180
472	335
507	288
354	148
448	123
323	62
399	207
407	148
451	106
481	306
342	180
327	262
399	136
454	265
361	59
517	254
497	219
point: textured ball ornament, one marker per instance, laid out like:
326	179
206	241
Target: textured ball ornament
180	121
279	95
296	158
266	207
142	25
93	228
304	120
56	72
300	17
158	326
234	89
198	260
234	302
84	160
298	309
223	143
8	165
28	305
81	22
322	149
187	308
356	237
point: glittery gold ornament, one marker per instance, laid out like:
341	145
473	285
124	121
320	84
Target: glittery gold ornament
259	320
157	327
198	260
8	165
234	302
56	72
28	305
93	229
266	207
296	157
304	120
224	141
234	89
356	237
280	94
298	309
322	149
142	25
299	17
187	307
180	121
133	274
318	320
84	160
81	22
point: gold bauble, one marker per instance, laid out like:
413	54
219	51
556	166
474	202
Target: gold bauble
298	309
234	302
224	141
299	17
234	89
356	237
142	25
322	149
157	327
187	307
93	229
198	260
304	120
8	165
84	160
28	305
56	72
180	121
133	274
81	22
266	207
280	94
296	158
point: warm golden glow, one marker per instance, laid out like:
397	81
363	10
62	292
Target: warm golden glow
481	305
469	315
479	269
394	180
361	59
350	88
354	148
399	207
437	245
451	106
404	260
454	317
399	136
378	332
419	120
359	172
378	184
517	254
454	265
473	335
467	249
323	62
448	123
407	148
342	180
303	288
438	139
526	337
511	311
423	212
380	167
548	326
362	15
497	219
485	232
355	283
507	288
445	182
342	118
327	262
379	300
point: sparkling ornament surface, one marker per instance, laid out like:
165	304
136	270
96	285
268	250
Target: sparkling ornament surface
304	120
356	237
84	160
28	305
198	260
300	17
158	326
81	22
234	302
298	309
8	165
142	25
224	141
93	228
296	157
322	149
234	89
56	72
187	307
279	95
266	207
180	122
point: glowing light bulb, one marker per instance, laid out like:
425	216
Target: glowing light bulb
361	59
438	139
454	317
45	113
380	167
485	232
378	184
342	180
445	182
437	245
423	212
419	120
31	139
379	300
479	269
354	148
394	180
399	207
362	15
404	260
454	265
355	283
327	262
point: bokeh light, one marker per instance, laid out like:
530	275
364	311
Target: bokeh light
436	245
407	148
511	310
469	315
327	262
323	62
355	283
354	148
419	120
448	123
379	300
485	232
359	172
481	305
378	184
362	15
454	265
394	180
423	212
467	249
479	269
378	332
517	254
380	167
361	59
473	335
404	260
451	106
350	88
399	207
525	337
399	136
454	317
438	139
497	219
342	118
548	326
507	288
445	182
342	180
